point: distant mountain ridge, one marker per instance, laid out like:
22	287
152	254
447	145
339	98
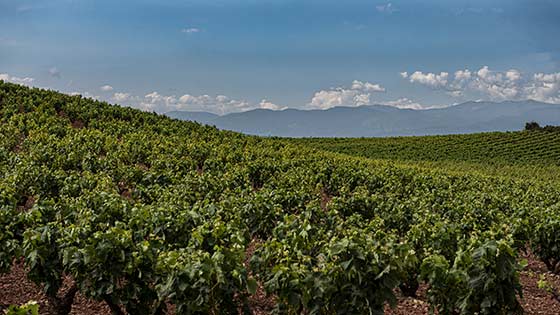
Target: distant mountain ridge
381	121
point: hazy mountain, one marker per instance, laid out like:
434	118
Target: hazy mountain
378	120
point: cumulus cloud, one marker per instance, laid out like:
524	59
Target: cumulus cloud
106	88
157	102
463	75
496	85
493	85
544	87
161	103
366	86
219	104
358	94
54	72
190	30
264	104
388	8
328	99
122	97
404	103
23	81
513	75
430	79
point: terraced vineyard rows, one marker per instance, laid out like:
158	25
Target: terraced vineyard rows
524	147
147	214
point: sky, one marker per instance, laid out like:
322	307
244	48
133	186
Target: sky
225	56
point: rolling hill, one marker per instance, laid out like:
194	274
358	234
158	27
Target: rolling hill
521	147
527	155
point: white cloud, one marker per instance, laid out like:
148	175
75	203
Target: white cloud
403	103
161	103
264	104
513	75
366	86
545	87
54	72
190	30
122	97
358	94
497	85
187	98
493	85
386	8
23	81
404	74
462	75
157	102
432	80
106	88
332	98
219	104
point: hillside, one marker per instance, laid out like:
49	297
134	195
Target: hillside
110	209
526	155
382	121
522	147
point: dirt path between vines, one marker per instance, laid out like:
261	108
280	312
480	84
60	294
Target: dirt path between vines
15	288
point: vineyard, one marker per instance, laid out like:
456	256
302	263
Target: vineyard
527	155
521	147
150	215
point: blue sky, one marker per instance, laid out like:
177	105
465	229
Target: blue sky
232	55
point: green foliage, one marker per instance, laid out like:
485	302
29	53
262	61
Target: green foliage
545	238
42	256
140	210
493	281
527	155
544	285
493	148
447	283
9	238
200	282
530	126
29	308
321	265
482	280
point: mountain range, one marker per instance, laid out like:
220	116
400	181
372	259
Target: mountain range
382	121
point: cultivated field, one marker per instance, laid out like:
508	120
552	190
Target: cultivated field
109	209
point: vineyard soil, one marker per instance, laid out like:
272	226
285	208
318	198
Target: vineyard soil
16	289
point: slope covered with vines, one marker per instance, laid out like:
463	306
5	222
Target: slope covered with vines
524	147
143	212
